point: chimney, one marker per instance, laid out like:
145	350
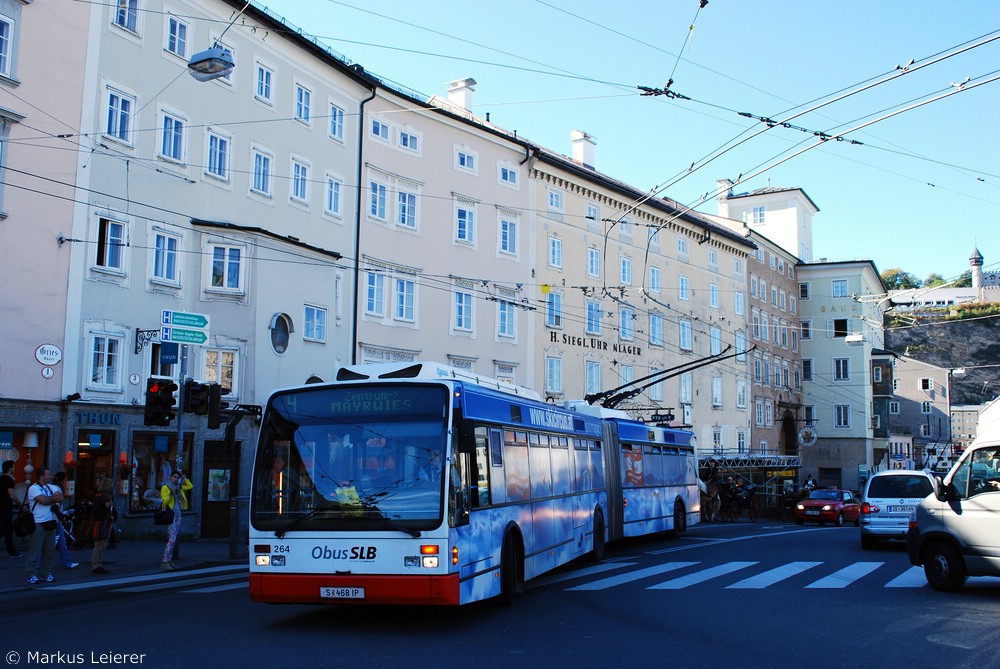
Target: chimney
723	191
583	148
460	93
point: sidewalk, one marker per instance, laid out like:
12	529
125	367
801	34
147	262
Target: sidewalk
128	557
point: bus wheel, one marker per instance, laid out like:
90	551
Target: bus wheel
510	571
680	522
597	553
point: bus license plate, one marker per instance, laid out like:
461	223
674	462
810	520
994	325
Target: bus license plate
327	592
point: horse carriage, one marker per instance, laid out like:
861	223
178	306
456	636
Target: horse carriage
736	500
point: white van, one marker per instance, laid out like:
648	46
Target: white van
955	533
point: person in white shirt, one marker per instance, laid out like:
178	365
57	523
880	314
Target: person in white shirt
41	546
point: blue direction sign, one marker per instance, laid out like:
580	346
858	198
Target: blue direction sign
184	320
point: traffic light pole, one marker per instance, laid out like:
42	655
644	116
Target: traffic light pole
181	403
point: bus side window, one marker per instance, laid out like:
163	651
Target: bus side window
458	490
482	498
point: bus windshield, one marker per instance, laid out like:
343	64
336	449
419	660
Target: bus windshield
346	457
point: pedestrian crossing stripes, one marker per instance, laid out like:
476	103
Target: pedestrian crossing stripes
179	581
755	576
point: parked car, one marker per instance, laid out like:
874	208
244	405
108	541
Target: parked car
888	499
955	533
828	505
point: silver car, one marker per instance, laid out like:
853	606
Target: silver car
888	500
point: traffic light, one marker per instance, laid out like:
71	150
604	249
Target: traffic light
196	397
216	405
160	402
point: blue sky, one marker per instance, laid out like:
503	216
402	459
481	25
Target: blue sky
919	192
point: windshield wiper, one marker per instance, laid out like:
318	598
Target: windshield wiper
280	532
391	524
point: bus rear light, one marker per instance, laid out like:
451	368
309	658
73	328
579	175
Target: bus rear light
624	503
429	549
454	554
262	548
262	560
430	561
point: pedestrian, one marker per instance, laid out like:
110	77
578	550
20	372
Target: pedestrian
810	483
41	545
62	544
101	515
174	496
8	502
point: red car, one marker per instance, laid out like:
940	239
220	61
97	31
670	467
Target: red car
829	506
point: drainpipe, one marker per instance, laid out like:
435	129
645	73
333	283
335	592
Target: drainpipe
357	227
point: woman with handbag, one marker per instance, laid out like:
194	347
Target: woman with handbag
100	528
41	546
173	494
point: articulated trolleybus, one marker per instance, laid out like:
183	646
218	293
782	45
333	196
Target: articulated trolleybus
419	483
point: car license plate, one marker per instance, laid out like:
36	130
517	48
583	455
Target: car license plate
900	509
812	512
327	592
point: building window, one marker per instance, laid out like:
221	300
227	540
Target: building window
757	215
227	267
927	384
839	288
715	340
220	367
553	374
405	296
841	369
177	32
738	303
741	393
261	173
809	415
717	392
626	271
315	324
594	314
331	203
406	214
464	160
262	91
839	328
300	181
807	369
654	279
555	252
593	375
165	258
380	130
655	391
465	224
508	236
803	291
553	312
105	362
842	413
758	413
682	288
682	247
805	329
375	294
110	244
713	295
336	122
119	125
463	311
506	319
408	141
508	175
686	343
926	407
127	16
594	263
555	201
627	331
217	163
655	330
172	139
377	204
876	375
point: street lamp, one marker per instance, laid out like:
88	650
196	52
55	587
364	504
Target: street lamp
216	61
211	63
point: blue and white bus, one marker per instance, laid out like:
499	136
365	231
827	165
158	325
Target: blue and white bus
419	483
